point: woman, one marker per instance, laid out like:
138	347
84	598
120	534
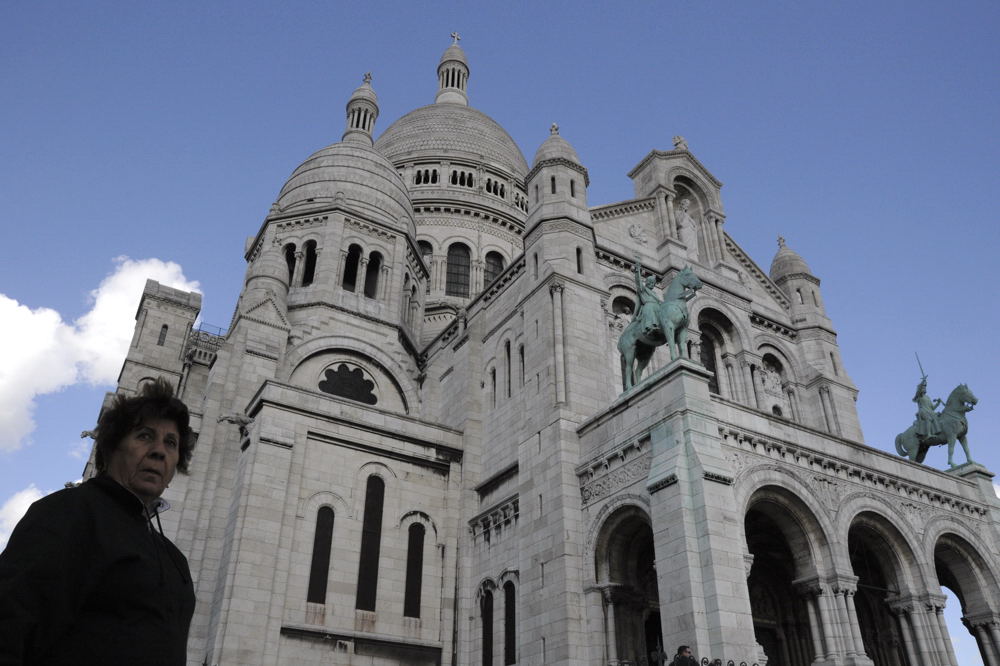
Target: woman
86	577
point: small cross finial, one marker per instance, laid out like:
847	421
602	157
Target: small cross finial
456	37
554	128
781	241
368	78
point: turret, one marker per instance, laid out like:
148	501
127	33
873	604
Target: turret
453	76
557	191
362	110
791	273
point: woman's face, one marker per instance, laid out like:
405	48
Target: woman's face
146	459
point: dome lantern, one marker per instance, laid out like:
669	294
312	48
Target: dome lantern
453	75
362	110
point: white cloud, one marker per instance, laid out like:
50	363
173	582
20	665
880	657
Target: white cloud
40	353
13	509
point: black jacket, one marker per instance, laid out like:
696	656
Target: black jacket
85	579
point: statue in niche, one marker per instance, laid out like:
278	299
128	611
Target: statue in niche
687	228
931	428
656	323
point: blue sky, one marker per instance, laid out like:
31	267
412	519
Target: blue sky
151	138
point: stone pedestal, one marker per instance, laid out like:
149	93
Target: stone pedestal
697	527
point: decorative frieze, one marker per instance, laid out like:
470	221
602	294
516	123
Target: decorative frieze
490	523
825	470
612	211
765	323
371	229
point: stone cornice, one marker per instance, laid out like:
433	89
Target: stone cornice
622	209
562	162
653	154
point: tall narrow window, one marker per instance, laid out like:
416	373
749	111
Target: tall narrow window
414	570
425	253
457	278
163	336
493	385
290	261
572	188
351	268
552	181
707	359
535	272
509	624
486	613
494	266
833	363
372	274
579	261
309	269
319	571
371	543
506	355
520	358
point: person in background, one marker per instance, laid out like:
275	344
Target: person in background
88	576
683	657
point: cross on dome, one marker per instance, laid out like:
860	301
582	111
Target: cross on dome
368	78
554	129
781	241
456	37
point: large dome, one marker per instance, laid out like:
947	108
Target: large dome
365	178
451	130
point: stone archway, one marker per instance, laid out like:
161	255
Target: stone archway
961	569
626	568
779	544
879	599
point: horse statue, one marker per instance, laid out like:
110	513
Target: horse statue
656	322
951	426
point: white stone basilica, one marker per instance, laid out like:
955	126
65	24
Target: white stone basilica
414	446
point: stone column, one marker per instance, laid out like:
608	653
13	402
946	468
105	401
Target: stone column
748	387
557	327
343	267
935	610
296	279
383	285
829	413
815	629
852	619
671	217
905	614
610	636
362	278
994	631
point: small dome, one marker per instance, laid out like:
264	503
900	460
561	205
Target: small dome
364	91
358	174
556	147
453	52
787	262
454	130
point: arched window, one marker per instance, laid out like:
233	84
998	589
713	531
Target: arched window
494	266
520	356
290	261
417	179
425	253
371	543
468	181
457	277
372	274
461	179
708	360
798	292
414	570
454	178
309	269
506	355
163	336
434	176
622	305
351	268
319	571
486	615
509	624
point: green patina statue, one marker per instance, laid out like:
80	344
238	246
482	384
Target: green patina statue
931	428
656	323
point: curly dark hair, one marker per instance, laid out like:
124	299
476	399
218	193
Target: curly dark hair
155	401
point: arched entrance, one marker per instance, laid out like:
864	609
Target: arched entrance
876	564
777	539
961	569
626	571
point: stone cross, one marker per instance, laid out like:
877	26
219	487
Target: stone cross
554	128
781	241
368	78
455	36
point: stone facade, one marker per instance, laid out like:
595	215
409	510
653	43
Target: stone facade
414	447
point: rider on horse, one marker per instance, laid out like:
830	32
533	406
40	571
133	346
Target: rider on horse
645	314
927	418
